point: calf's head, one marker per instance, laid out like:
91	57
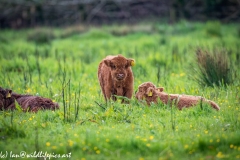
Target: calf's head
142	90
119	66
6	100
148	91
149	95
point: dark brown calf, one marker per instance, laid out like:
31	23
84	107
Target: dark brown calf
27	102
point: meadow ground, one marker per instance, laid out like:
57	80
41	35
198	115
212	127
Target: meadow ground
61	64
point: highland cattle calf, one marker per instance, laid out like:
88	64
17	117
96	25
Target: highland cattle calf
115	77
26	102
151	94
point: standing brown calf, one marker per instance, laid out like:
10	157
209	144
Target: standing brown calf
115	77
147	91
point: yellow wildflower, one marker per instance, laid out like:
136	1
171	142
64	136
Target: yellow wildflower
70	143
48	144
98	151
220	155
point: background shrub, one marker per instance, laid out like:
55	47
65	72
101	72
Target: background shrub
213	68
41	36
213	28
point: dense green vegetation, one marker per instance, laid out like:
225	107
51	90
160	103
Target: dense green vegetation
52	61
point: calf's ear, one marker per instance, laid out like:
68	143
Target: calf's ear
160	89
8	94
107	62
131	62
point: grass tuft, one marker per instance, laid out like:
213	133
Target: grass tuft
213	68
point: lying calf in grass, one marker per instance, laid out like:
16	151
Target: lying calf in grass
148	92
27	102
115	77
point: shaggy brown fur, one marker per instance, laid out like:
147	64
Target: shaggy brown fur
35	103
115	77
27	102
151	95
6	100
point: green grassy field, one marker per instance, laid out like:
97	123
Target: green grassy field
51	61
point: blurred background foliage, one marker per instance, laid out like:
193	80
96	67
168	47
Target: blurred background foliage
30	13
